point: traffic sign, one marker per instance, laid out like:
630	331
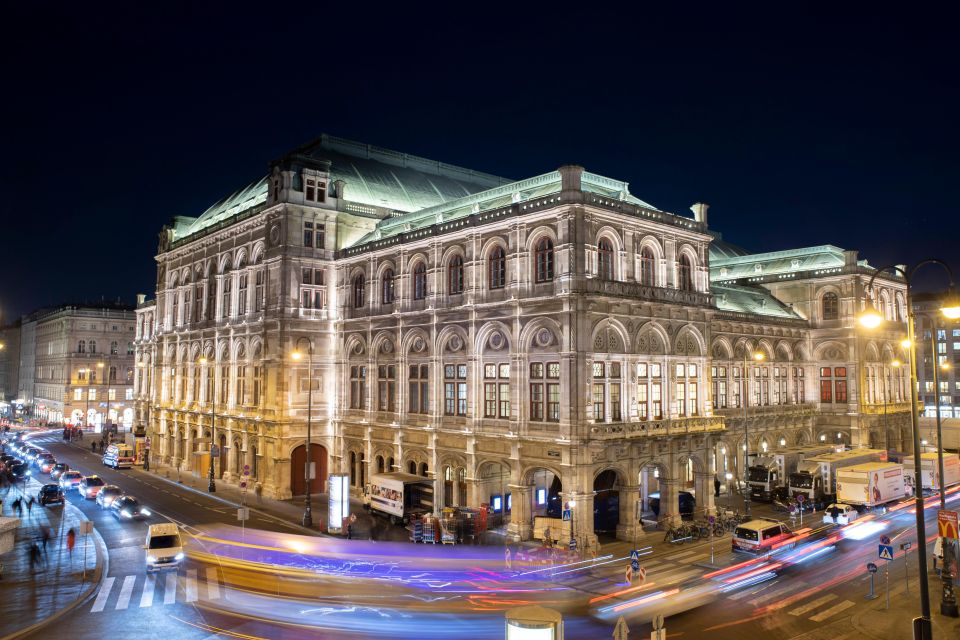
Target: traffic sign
635	554
872	568
573	544
566	515
947	524
800	498
243	513
886	552
885	540
635	565
712	520
243	487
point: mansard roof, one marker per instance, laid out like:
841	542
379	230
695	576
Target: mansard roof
373	176
752	300
520	191
822	259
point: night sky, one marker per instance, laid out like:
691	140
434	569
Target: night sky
798	127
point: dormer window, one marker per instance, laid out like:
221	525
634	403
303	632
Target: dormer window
315	191
311	190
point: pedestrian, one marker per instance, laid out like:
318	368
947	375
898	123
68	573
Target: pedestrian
93	447
258	489
29	506
34	554
18	507
716	486
45	535
71	540
349	531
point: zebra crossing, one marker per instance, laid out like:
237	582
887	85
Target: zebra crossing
795	597
118	592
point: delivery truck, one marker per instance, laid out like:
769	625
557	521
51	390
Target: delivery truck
769	473
398	496
871	484
930	470
816	477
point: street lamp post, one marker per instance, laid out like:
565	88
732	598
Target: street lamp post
922	629
86	392
297	355
745	399
211	484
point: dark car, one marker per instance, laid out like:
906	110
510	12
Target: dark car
49	494
687	503
128	508
18	470
7	459
58	470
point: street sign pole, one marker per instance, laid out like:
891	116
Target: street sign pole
872	570
906	565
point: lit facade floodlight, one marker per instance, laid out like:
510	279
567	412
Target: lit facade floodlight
871	318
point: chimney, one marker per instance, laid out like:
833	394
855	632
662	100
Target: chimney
850	258
570	175
700	212
141	298
339	187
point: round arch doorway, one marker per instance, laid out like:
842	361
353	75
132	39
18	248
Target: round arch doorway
298	461
606	503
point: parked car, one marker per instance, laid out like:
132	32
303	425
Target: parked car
90	486
128	508
58	470
18	471
70	480
49	494
839	513
687	503
107	494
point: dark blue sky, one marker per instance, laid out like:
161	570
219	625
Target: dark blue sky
799	126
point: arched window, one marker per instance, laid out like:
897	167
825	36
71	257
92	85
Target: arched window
648	267
498	268
82	346
412	467
420	281
358	284
684	273
543	255
455	275
605	259
831	306
387	287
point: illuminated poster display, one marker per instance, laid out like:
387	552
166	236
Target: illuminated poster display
339	504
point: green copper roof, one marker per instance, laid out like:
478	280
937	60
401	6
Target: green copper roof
775	263
373	176
753	300
520	191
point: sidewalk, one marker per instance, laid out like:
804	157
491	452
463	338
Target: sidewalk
876	622
32	598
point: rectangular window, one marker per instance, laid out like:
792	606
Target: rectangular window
841	391
597	369
225	298
128	395
536	401
418	388
311	191
798	392
308	234
259	292
687	389
455	389
78	394
242	295
358	386
615	414
544	395
826	385
91	394
241	398
257	384
598	402
496	391
386	388
737	388
320	236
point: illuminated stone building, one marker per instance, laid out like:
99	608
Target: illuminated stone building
528	343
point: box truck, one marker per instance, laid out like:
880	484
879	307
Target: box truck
398	496
930	470
770	471
871	484
816	477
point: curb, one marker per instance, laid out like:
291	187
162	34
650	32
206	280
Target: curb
102	568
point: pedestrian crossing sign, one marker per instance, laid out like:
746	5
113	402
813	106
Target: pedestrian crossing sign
635	555
886	552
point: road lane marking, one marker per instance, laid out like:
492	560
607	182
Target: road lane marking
124	601
682	554
213	585
810	606
776	593
170	590
192	585
832	611
146	599
101	600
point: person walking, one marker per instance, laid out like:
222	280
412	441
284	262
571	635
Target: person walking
30	506
71	540
93	447
18	507
45	535
716	486
34	554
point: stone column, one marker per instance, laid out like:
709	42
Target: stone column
669	502
703	488
582	525
629	528
521	518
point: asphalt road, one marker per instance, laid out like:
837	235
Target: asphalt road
815	597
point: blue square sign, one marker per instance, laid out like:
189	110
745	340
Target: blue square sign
886	552
566	514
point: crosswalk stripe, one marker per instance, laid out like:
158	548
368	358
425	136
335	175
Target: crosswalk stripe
676	575
101	600
170	590
699	558
832	611
776	593
192	585
810	606
213	585
682	554
124	601
146	599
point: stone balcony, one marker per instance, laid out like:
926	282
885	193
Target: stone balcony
767	411
656	428
882	408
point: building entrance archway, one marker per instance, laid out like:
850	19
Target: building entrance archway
606	503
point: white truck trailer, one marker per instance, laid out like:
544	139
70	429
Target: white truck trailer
771	471
399	496
871	484
816	478
930	470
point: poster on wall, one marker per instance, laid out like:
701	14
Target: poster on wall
339	503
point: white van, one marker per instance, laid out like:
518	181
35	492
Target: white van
164	547
119	456
761	536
